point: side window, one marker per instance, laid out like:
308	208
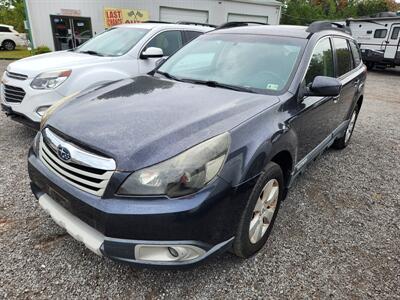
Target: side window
321	63
4	29
356	52
343	56
191	35
168	41
380	33
395	33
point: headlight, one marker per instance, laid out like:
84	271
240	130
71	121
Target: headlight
53	108
183	174
50	80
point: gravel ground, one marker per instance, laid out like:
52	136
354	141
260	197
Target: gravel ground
337	235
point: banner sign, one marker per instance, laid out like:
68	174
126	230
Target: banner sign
116	16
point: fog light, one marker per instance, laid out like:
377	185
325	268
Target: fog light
167	253
41	110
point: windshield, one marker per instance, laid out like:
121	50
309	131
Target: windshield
263	63
114	42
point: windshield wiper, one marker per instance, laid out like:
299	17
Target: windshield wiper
169	76
91	52
213	83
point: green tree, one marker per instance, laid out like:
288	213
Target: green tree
12	12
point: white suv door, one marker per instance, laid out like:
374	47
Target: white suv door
169	41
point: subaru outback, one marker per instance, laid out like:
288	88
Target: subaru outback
194	158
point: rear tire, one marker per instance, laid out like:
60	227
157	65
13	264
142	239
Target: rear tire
8	45
341	143
262	207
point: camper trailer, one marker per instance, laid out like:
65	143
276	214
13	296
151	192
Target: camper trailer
379	39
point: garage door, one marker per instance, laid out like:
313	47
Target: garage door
169	14
247	18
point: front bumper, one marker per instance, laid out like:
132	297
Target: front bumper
26	111
207	220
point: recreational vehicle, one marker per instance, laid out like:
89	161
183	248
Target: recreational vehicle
379	39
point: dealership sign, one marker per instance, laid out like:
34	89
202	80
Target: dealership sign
116	16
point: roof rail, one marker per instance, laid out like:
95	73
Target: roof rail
327	25
238	24
195	23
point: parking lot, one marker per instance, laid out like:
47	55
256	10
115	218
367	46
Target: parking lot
337	234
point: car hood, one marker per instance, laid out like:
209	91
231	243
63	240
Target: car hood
34	65
144	120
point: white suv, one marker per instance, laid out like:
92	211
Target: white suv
10	38
29	86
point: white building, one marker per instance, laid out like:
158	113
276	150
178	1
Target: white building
57	23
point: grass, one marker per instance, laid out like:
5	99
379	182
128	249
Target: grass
18	53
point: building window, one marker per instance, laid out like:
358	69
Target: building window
380	33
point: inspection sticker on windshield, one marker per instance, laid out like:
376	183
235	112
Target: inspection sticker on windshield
272	86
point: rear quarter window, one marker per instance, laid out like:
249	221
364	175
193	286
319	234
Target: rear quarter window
191	35
4	29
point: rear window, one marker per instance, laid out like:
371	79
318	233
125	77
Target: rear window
4	29
343	56
380	33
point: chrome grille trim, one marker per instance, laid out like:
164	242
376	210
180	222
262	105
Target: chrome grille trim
17	75
94	183
13	94
79	156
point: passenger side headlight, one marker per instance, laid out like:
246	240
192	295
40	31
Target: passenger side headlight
183	174
50	80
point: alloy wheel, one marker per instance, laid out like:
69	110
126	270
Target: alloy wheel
350	128
264	211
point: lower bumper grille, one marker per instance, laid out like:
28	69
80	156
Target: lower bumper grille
13	94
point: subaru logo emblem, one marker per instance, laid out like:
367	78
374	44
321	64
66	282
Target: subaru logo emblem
63	153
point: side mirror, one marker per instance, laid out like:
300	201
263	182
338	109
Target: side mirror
152	52
324	86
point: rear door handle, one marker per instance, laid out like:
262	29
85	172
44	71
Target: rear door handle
356	82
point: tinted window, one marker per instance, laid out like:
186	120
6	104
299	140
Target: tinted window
356	53
343	56
191	35
261	63
321	63
168	41
4	29
380	33
395	33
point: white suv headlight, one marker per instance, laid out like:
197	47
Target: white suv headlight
183	174
50	80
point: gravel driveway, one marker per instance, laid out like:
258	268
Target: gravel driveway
337	235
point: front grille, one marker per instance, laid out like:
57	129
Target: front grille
17	75
88	179
13	94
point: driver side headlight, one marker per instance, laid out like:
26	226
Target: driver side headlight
50	80
183	174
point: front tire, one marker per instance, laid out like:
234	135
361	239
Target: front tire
258	218
8	45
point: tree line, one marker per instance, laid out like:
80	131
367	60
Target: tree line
302	12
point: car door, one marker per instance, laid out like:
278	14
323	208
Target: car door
393	43
346	72
315	116
169	41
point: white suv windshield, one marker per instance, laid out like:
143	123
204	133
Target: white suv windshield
257	62
113	42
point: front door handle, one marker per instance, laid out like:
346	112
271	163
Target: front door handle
356	82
